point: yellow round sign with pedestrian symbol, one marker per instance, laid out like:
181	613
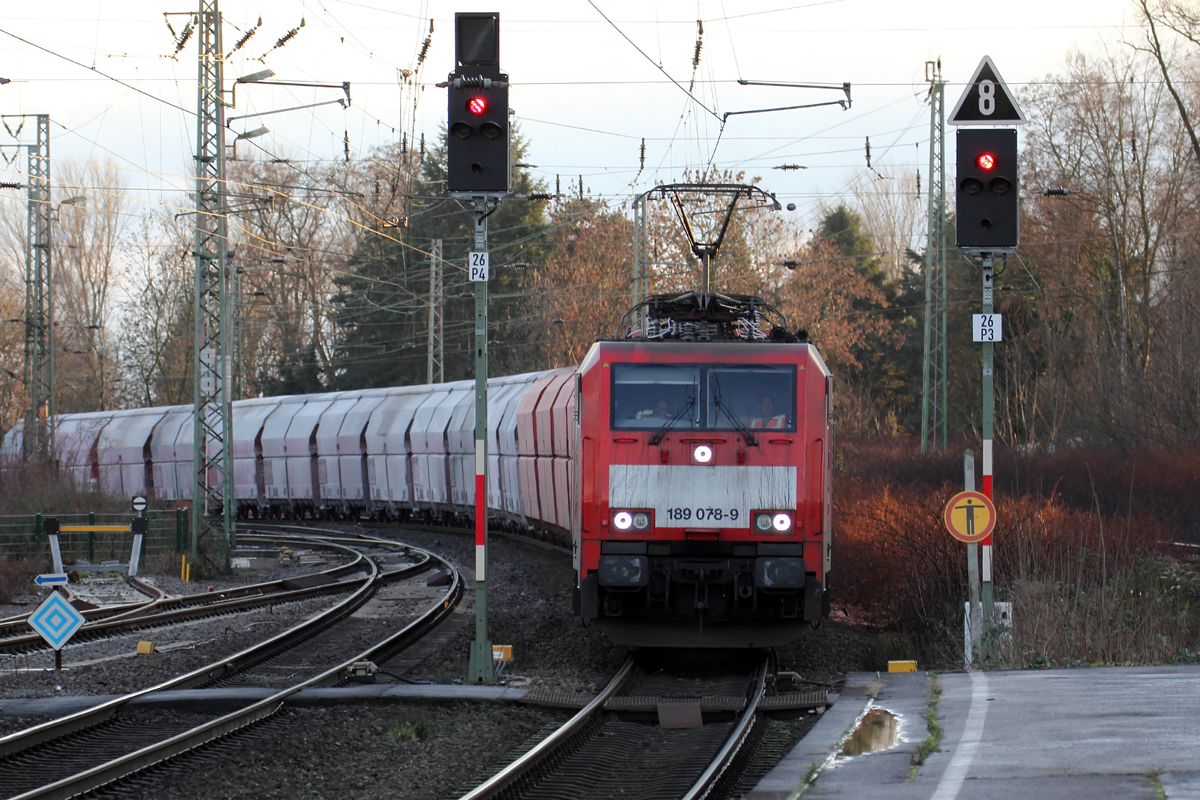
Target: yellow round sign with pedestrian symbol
970	516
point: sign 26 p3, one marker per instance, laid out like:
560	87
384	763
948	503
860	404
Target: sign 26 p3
477	265
987	328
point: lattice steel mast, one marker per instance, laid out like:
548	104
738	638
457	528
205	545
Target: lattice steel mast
39	303
933	392
212	495
436	358
641	253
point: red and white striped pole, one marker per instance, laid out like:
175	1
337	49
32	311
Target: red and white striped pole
482	670
988	411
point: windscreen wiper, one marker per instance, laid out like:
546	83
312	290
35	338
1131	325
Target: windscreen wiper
741	427
670	423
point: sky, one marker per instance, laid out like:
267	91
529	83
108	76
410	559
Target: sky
590	79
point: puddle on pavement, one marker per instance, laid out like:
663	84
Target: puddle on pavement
878	730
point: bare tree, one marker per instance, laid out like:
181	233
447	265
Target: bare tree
1183	20
88	267
156	321
1094	260
12	336
893	214
291	238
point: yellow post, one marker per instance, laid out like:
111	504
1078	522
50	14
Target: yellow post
188	579
182	568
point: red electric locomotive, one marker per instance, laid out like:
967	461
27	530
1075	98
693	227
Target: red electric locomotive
704	477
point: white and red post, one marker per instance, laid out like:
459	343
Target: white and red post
482	670
988	411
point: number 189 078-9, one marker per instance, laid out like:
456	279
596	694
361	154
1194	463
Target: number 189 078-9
702	514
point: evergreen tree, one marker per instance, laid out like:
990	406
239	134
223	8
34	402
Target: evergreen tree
889	373
381	307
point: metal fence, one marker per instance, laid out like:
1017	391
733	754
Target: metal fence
22	537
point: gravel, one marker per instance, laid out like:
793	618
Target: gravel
422	749
410	752
111	666
530	596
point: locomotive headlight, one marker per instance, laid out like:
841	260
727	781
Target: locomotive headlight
771	521
625	520
703	454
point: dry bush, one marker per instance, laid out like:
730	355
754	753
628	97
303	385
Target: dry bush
1161	482
1090	583
1092	588
16	576
35	488
894	558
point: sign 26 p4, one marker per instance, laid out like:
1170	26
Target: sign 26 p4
477	265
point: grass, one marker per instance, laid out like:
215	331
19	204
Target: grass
411	729
934	738
1156	784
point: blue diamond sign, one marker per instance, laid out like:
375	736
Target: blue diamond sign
56	620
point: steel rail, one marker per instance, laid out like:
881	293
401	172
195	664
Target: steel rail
108	613
254	589
700	789
549	542
168	610
53	729
737	737
124	766
514	771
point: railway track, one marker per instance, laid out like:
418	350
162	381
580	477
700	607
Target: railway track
19	624
159	609
649	736
93	748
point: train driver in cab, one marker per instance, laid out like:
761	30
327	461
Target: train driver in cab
767	417
661	410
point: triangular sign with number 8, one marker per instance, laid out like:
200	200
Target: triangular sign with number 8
987	100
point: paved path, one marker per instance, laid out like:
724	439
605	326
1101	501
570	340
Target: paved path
1078	734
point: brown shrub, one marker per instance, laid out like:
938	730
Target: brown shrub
1094	577
16	577
35	488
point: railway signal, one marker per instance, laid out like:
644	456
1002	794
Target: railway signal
987	200
970	516
477	141
987	225
478	168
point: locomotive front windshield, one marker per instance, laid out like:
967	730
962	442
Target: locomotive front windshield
757	396
646	396
717	397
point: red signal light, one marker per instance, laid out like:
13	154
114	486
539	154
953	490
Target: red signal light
986	161
477	105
